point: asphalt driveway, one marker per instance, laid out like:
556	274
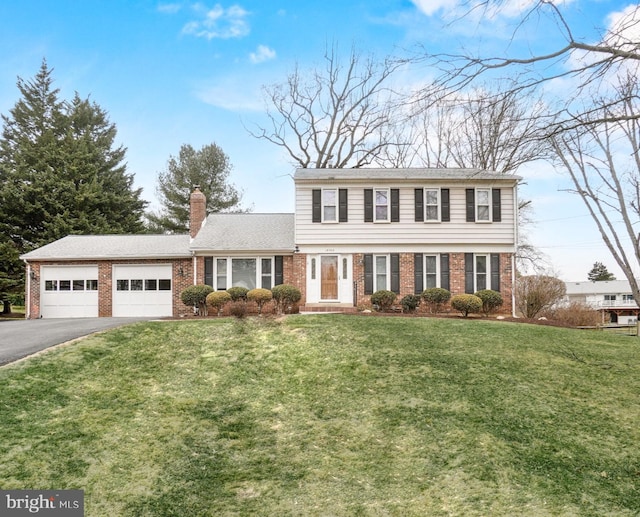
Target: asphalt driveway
20	338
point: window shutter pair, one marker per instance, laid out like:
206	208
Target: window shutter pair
394	281
445	205
395	205
469	272
418	272
316	205
496	205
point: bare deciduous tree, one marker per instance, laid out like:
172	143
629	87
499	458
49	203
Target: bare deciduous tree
602	157
333	117
535	293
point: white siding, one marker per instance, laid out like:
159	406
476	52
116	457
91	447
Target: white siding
406	232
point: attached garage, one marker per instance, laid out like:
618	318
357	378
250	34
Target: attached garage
69	291
142	290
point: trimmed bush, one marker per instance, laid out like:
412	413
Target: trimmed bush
466	303
238	308
383	300
238	293
285	296
491	300
196	296
260	296
410	302
217	300
436	297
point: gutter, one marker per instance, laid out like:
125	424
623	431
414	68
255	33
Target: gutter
27	297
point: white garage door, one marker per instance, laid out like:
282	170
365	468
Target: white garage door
69	291
142	290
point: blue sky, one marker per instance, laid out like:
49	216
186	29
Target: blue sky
172	73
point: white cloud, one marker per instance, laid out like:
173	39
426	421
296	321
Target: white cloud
262	54
169	8
232	94
218	22
429	7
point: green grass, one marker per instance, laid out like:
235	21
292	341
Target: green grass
330	415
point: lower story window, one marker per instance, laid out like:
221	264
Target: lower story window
481	271
243	272
382	273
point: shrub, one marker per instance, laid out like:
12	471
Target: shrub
238	293
217	300
238	308
466	303
576	314
285	296
410	302
536	293
260	296
196	296
383	300
491	300
435	297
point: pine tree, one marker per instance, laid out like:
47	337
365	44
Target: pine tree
208	168
60	172
600	273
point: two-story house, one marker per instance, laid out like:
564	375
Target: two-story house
354	231
612	298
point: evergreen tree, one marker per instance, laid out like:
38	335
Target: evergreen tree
60	173
208	168
600	273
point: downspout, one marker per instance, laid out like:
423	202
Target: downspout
27	298
513	257
195	265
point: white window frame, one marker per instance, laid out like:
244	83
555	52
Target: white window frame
326	204
437	205
487	273
387	205
387	273
424	269
228	275
479	205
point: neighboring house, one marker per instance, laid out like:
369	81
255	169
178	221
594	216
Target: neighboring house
354	231
613	298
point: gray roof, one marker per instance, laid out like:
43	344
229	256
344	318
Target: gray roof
403	174
95	247
601	287
246	232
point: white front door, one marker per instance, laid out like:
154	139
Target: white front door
329	278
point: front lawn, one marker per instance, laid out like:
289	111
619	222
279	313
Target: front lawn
330	415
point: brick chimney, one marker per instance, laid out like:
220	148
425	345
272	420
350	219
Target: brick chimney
197	212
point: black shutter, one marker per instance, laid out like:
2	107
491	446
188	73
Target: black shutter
208	271
419	205
395	205
471	205
395	273
278	277
368	274
468	273
444	271
445	209
497	206
495	272
418	273
316	202
343	205
368	205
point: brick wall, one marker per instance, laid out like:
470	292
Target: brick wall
456	272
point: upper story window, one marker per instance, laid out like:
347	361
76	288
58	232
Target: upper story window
381	209
483	204
329	205
431	204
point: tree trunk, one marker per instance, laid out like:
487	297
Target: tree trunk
7	307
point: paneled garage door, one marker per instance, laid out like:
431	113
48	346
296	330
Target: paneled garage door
69	291
142	290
